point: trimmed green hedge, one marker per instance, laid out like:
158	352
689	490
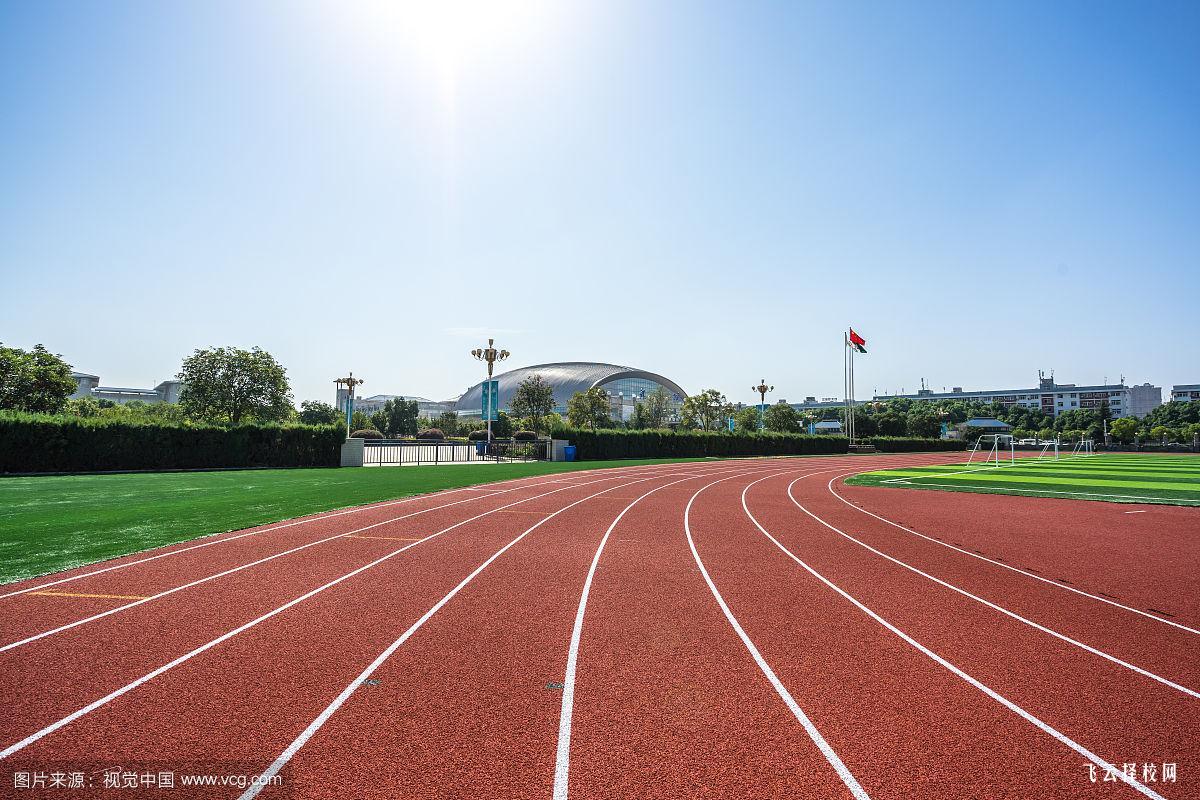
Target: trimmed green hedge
46	443
901	444
603	445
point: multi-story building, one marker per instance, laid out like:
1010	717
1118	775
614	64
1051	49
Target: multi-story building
1185	391
369	405
1055	398
89	386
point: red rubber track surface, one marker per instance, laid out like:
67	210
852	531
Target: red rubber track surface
668	701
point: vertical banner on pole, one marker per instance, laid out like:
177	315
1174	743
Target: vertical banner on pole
350	411
491	390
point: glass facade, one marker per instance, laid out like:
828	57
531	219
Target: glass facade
624	393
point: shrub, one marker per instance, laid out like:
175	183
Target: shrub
366	433
525	436
616	444
904	444
477	436
432	434
47	443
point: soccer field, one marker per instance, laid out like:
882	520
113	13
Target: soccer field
1113	477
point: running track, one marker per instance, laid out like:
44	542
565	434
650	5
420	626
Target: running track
749	628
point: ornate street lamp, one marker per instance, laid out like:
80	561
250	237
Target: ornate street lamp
349	382
491	355
762	390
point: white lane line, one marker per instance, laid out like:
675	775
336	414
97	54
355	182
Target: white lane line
316	518
1012	614
562	762
90	707
1055	584
68	626
340	700
992	693
1135	512
996	489
826	749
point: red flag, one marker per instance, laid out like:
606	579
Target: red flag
858	342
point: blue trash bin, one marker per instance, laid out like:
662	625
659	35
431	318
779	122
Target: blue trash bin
569	452
481	449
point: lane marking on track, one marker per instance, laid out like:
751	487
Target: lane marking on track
1012	614
992	693
1135	512
387	538
1027	572
345	694
562	762
90	707
491	488
239	568
997	489
101	596
826	749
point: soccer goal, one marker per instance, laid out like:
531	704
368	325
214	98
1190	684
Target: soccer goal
1084	447
1046	452
991	448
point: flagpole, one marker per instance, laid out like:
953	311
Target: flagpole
853	431
846	379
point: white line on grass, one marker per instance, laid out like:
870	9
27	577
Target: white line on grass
90	707
1062	637
992	693
1018	570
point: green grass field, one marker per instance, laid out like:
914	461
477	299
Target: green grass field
1112	477
55	522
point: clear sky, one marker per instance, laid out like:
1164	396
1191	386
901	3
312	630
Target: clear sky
713	191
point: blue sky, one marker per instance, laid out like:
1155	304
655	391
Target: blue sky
708	190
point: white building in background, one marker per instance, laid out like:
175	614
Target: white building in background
89	386
1185	391
369	405
1055	398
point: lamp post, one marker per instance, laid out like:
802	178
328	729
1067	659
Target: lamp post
762	390
491	355
349	382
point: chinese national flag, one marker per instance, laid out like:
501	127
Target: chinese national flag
860	344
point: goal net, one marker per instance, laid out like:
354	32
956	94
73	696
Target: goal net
993	448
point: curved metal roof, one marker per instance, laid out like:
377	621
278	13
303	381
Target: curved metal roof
565	378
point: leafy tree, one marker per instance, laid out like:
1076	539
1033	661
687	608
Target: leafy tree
923	423
782	418
707	410
1123	429
502	426
227	384
533	399
658	408
589	409
1046	434
314	412
890	423
747	420
638	420
1162	433
447	422
379	421
359	421
401	417
83	407
36	380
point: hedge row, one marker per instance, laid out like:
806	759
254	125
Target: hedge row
43	443
901	444
600	445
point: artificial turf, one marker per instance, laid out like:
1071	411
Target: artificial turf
56	522
1112	477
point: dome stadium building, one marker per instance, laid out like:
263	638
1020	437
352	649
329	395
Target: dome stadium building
625	387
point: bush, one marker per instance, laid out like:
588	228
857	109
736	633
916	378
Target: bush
615	444
366	433
432	434
525	436
904	444
48	443
477	436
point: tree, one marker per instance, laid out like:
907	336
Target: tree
36	380
707	410
747	420
379	421
228	384
1162	433
401	417
589	409
782	418
638	420
924	424
658	408
1123	429
534	399
447	422
314	412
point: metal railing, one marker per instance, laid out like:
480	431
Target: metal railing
399	452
